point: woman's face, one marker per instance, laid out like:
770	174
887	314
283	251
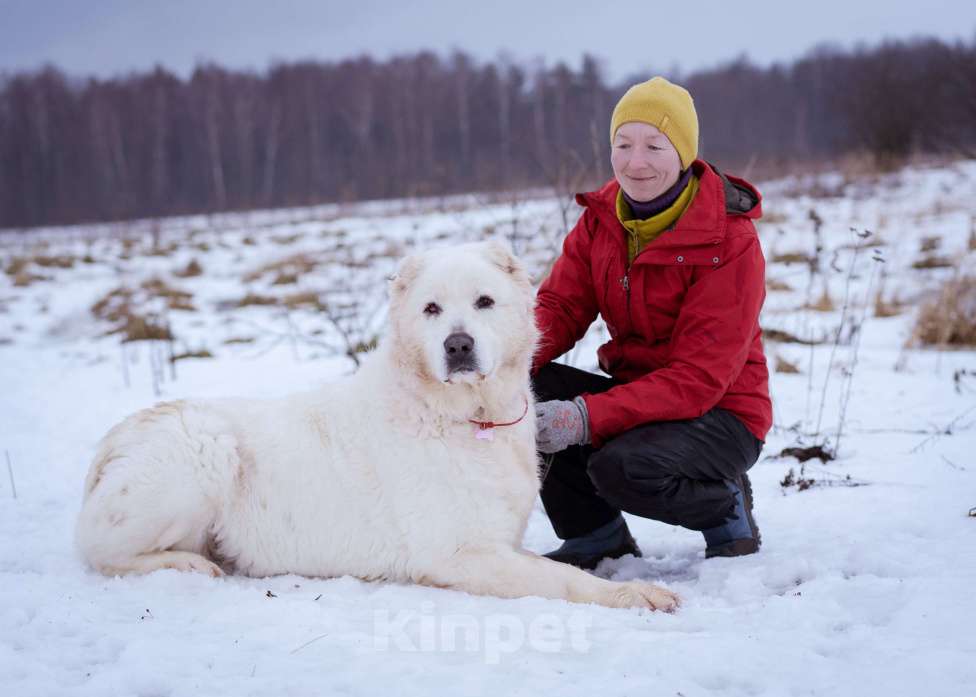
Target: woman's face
644	161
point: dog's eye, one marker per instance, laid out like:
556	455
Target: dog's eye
484	302
432	309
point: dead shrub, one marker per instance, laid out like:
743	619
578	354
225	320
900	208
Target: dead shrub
930	243
950	319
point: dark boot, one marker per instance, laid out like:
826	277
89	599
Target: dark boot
610	541
739	535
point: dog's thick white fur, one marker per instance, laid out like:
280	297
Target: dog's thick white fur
378	476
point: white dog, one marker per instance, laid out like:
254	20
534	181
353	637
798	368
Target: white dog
419	468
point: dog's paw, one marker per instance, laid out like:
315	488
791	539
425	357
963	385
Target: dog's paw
646	595
197	564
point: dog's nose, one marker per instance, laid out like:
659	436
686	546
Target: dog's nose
459	345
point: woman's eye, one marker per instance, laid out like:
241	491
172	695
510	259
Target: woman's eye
484	302
432	309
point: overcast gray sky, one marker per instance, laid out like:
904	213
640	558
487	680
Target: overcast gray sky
108	37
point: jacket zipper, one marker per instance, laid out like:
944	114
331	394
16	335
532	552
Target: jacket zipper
625	282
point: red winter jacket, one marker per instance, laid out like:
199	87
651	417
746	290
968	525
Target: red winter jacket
683	319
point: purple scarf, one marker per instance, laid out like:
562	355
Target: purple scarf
646	209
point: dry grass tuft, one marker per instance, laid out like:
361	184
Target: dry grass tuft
286	239
285	279
202	353
142	328
784	366
949	320
792	258
774	218
176	299
308	299
56	262
190	270
778	335
255	299
822	304
121	308
295	265
24	278
773	285
114	306
933	261
162	250
18	268
887	308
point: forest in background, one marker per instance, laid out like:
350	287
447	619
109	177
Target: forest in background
153	144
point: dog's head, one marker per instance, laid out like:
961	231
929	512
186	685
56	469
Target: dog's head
461	314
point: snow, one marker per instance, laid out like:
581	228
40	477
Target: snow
858	590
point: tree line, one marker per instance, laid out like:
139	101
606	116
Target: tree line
154	144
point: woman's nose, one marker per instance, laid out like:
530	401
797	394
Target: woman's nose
639	159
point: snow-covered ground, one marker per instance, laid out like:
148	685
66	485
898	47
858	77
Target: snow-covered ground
864	584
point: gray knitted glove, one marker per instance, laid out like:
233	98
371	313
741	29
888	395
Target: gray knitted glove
560	424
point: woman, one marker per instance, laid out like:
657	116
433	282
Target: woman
666	252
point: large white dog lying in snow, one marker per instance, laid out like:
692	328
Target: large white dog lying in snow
383	475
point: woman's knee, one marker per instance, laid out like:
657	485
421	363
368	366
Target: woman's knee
621	474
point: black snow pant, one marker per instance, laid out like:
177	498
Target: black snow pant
672	471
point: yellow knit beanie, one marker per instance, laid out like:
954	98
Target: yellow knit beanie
666	106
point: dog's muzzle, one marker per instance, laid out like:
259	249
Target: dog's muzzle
459	352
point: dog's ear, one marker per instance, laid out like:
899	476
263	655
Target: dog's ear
407	271
500	254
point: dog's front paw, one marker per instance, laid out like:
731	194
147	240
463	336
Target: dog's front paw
646	595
